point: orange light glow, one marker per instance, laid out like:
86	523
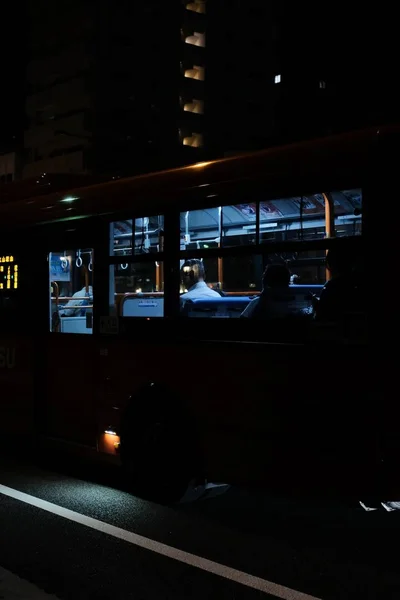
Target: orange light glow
109	442
9	280
200	165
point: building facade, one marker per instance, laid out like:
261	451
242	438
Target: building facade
129	87
283	71
9	167
107	99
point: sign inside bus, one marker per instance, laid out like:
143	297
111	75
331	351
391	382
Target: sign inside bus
8	273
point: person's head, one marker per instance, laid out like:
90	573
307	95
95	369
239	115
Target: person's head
192	272
276	275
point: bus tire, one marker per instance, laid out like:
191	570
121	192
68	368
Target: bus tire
157	446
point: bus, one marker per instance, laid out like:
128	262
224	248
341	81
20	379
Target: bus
100	357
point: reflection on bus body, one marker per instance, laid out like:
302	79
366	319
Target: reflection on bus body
342	295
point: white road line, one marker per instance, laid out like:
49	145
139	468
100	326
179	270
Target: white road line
279	591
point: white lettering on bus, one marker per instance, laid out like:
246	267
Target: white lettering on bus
7	358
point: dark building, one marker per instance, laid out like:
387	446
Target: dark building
104	87
127	87
283	71
13	56
192	75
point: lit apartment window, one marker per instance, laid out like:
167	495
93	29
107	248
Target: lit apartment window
198	6
195	106
197	39
195	140
322	85
195	73
277	79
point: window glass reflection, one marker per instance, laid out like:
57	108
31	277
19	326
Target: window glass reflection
348	212
241	274
138	289
296	218
200	229
121	238
149	235
239	225
71	291
304	218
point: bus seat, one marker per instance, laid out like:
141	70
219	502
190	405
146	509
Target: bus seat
223	307
74	325
233	306
142	306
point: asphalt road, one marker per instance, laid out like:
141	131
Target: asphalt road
76	534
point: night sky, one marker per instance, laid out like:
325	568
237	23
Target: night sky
13	55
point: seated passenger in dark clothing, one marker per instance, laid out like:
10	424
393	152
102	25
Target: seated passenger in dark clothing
276	300
342	294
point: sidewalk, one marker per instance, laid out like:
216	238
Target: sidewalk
14	588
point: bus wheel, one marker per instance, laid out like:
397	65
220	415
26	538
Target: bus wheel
156	453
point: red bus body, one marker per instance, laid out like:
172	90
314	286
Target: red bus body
266	413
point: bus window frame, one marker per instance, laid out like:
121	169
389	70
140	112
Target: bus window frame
132	258
218	328
56	237
197	199
94	231
260	247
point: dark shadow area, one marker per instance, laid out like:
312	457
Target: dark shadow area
338	531
335	526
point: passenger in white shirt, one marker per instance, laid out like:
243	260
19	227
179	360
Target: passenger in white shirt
82	297
193	275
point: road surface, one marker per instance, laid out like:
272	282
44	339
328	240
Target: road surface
75	534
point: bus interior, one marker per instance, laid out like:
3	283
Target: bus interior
242	233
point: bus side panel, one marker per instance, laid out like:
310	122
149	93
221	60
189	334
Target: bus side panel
287	416
265	414
16	386
69	389
282	416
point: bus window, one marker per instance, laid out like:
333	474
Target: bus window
121	238
71	291
295	218
212	227
240	280
284	288
307	267
149	235
307	217
347	208
200	229
138	289
239	225
241	274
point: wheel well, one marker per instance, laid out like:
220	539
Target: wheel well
154	400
